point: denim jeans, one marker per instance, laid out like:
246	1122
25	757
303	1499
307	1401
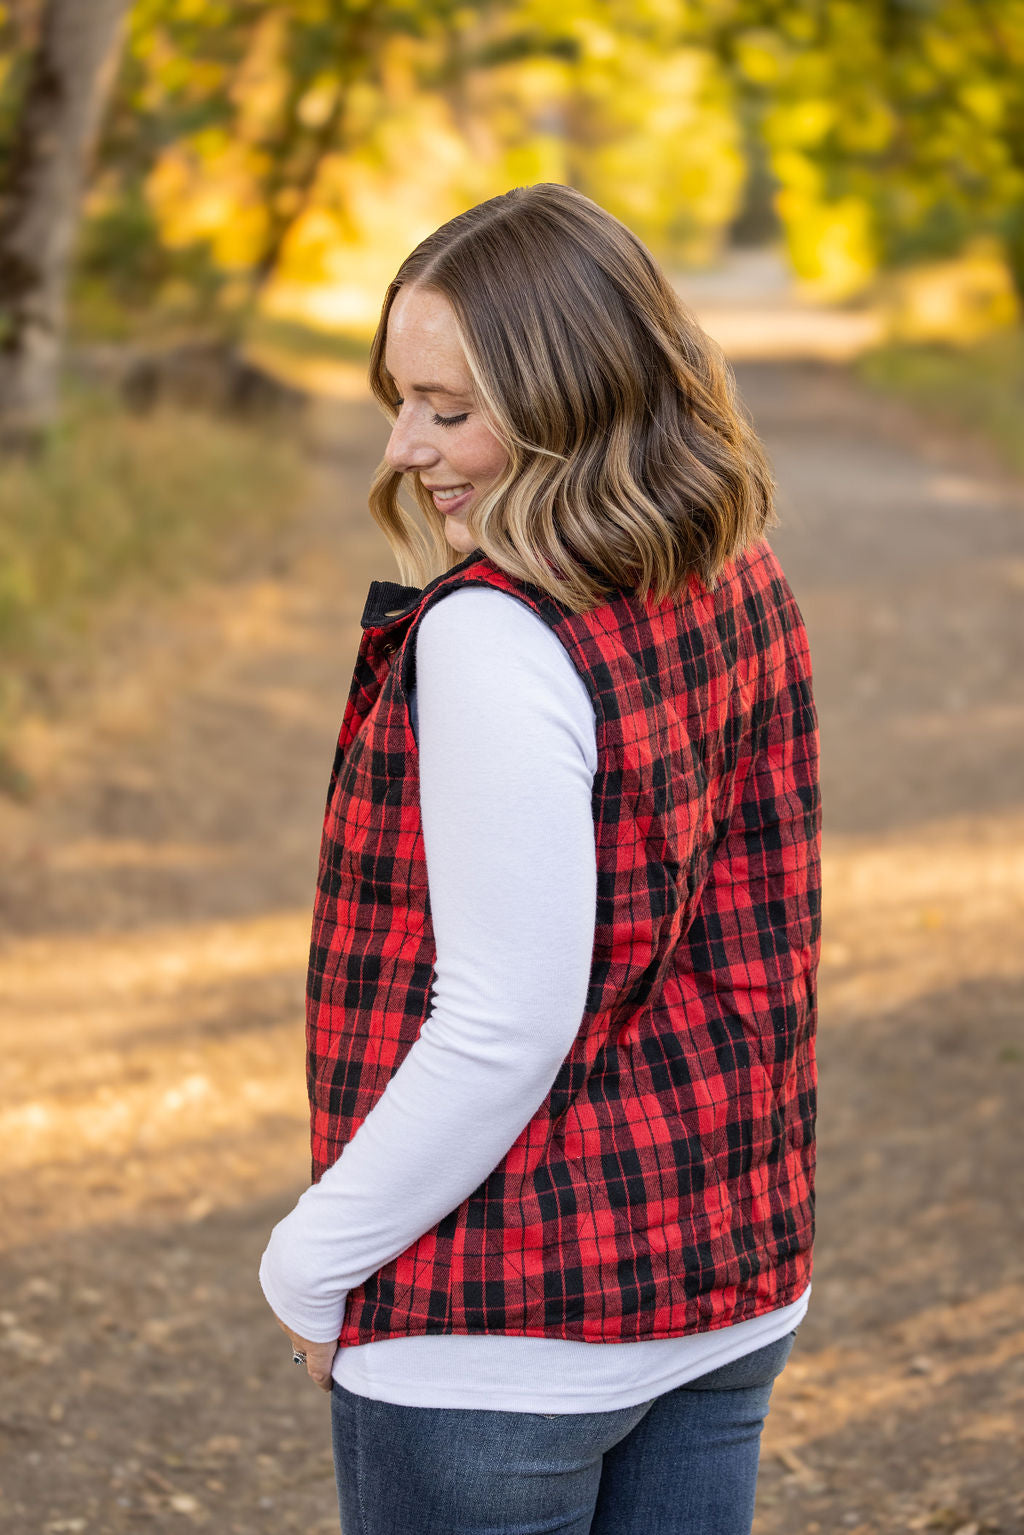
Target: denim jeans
684	1463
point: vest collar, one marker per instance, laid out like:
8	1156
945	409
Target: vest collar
388	602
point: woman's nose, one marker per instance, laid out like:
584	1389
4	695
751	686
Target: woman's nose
408	448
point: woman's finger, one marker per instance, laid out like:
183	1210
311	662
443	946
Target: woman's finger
319	1358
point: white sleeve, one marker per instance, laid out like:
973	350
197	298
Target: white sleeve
507	750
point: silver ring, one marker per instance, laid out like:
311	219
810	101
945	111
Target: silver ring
298	1357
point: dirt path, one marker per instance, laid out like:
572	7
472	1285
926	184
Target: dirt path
155	904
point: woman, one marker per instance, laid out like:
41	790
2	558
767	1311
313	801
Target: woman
561	1001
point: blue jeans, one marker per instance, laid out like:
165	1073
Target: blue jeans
684	1463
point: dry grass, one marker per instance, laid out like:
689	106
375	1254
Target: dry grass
116	508
980	387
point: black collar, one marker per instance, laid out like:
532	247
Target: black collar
388	602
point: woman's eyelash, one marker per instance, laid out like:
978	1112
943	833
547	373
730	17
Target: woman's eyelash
397	403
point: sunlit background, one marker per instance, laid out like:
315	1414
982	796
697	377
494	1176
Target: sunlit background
289	156
201	204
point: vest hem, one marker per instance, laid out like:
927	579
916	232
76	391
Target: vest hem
353	1333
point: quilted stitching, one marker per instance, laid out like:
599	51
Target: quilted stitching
666	1185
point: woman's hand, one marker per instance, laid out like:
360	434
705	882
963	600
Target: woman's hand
319	1356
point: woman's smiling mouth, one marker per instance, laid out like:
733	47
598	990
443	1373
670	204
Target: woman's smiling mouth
450	498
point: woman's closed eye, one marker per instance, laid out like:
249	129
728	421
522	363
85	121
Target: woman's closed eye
438	420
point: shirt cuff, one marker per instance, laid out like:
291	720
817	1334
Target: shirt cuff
319	1322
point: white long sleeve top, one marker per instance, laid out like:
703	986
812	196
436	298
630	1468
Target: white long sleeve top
507	746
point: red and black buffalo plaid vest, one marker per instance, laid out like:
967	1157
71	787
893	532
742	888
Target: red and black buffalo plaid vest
666	1184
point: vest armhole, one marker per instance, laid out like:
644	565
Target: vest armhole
471	579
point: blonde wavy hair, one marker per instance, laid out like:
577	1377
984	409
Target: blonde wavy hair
631	463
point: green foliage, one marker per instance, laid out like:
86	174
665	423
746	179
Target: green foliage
895	127
14	66
250	142
126	279
237	129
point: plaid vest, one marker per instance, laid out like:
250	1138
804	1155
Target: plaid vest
666	1184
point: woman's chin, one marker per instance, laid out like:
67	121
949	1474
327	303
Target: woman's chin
459	536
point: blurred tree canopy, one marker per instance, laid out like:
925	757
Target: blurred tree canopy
894	128
255	146
288	153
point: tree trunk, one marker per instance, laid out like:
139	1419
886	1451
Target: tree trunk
71	76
